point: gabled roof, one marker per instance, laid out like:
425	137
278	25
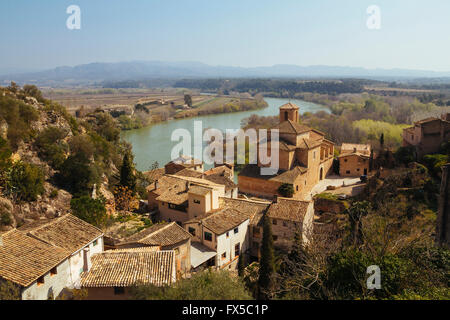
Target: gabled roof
163	234
357	154
283	176
24	259
291	127
289	209
68	232
127	269
309	144
225	220
355	148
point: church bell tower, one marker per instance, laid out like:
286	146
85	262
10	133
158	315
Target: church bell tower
289	111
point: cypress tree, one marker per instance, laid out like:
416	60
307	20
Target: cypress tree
127	177
241	265
267	264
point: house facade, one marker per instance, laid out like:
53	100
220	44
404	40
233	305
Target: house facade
46	256
167	237
427	135
305	158
354	160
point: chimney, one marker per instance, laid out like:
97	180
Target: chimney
156	184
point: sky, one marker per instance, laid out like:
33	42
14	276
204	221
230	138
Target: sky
414	34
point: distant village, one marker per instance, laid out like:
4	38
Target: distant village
204	219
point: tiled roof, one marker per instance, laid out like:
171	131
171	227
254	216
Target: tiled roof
222	180
140	249
199	190
352	147
358	154
224	220
292	127
288	176
233	212
68	232
163	234
189	173
309	143
153	175
24	259
126	269
289	209
289	106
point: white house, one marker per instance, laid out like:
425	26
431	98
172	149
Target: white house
46	256
78	237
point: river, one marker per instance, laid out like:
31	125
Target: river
153	143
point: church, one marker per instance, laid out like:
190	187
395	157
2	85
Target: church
305	158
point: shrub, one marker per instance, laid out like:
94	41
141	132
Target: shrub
26	181
51	148
286	190
206	285
90	210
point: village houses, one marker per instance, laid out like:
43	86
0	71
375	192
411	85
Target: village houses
115	272
354	160
166	236
427	135
305	158
46	256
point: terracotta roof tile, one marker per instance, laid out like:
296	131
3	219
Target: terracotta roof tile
127	269
163	234
289	209
68	232
24	259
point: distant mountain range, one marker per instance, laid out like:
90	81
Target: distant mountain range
138	70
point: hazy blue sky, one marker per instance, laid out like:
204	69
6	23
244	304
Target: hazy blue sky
414	34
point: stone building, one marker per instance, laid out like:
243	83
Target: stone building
221	236
443	219
183	162
428	134
166	236
305	158
354	160
288	217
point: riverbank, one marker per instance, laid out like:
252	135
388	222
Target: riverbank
153	143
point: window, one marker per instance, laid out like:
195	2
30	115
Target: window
285	224
357	169
348	171
237	249
119	291
208	236
192	231
224	256
177	251
197	201
297	188
95	243
256	232
274	222
54	271
236	230
345	160
41	281
228	235
275	238
314	155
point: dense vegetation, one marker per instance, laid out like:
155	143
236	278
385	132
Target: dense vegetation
276	88
206	285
